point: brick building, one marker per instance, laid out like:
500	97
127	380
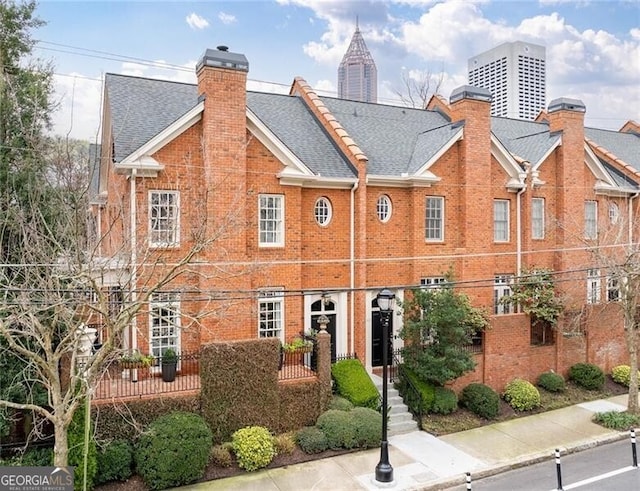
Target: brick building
318	203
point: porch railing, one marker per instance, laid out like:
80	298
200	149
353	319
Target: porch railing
298	363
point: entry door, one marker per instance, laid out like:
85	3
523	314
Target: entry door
328	308
376	336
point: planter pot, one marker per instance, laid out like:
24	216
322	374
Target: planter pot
169	371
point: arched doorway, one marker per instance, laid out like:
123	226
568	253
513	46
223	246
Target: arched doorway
328	308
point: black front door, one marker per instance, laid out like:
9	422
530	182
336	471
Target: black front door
327	308
376	337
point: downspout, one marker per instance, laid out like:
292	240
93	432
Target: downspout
352	267
527	167
133	337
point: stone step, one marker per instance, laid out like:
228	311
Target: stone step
397	428
400	417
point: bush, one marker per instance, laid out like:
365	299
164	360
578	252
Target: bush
521	395
338	428
617	420
367	425
253	446
221	455
311	440
420	402
587	375
34	457
551	381
622	375
76	457
174	450
115	462
353	383
481	400
340	403
445	401
284	444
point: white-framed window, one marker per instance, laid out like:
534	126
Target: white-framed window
590	219
537	218
271	314
434	219
501	220
613	289
271	220
383	208
434	282
322	211
502	288
164	322
593	286
164	218
614	213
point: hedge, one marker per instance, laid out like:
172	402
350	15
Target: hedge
353	383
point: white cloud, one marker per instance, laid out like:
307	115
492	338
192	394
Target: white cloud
226	18
196	22
176	73
78	99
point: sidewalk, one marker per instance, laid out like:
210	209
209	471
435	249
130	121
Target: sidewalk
424	462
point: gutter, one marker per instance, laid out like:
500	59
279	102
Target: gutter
352	267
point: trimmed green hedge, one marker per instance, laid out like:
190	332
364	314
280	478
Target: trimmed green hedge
422	402
587	375
552	382
445	401
353	383
481	399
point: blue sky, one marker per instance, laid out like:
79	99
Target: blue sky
593	47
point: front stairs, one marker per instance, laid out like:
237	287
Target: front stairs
400	418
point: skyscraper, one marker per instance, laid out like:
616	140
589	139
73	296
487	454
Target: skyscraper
515	74
357	73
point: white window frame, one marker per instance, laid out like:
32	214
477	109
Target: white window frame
384	208
271	313
164	308
594	289
322	211
614	213
164	212
434	219
613	289
501	221
590	220
432	282
502	288
537	218
271	220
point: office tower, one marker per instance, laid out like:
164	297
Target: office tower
515	74
357	73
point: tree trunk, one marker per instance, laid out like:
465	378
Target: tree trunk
632	345
61	447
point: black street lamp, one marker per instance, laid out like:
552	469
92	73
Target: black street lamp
384	471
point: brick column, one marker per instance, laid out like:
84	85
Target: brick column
324	369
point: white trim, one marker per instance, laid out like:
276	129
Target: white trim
443	149
508	206
282	229
424	180
508	163
341	301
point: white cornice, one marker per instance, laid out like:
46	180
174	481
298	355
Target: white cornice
426	179
508	163
603	179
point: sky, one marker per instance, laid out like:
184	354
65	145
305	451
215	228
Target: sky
592	47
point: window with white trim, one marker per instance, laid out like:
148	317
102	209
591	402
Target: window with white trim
322	211
164	322
164	218
593	286
434	219
383	208
614	213
271	314
591	220
501	220
434	282
502	289
271	220
537	218
613	289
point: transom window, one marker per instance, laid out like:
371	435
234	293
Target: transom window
271	314
591	219
164	319
434	282
271	213
501	289
434	219
383	208
164	212
501	220
593	286
322	211
537	218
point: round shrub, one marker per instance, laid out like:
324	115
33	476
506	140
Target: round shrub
367	425
253	446
622	375
340	403
481	400
338	428
174	450
221	455
521	395
551	381
115	462
587	375
445	401
284	444
311	440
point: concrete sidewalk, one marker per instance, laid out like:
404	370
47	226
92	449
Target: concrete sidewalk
424	462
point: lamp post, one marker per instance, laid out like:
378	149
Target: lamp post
384	471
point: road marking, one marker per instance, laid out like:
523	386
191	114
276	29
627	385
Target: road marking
598	478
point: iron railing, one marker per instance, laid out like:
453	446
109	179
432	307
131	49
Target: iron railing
299	363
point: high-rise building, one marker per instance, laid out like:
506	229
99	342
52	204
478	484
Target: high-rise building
515	74
357	73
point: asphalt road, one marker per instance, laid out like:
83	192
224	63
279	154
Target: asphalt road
603	468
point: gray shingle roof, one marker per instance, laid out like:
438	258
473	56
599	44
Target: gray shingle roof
525	139
625	146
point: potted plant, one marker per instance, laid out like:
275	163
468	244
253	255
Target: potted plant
135	359
299	345
169	365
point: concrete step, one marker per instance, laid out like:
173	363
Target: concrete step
400	418
398	428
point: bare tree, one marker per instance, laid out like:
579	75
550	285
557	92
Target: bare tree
418	87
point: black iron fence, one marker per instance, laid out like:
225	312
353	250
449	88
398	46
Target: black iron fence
298	363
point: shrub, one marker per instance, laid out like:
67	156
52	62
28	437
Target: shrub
284	444
367	425
311	440
622	374
174	450
617	420
419	402
76	456
115	462
353	383
221	455
34	457
481	400
340	403
338	428
587	375
445	401
551	381
253	446
521	395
